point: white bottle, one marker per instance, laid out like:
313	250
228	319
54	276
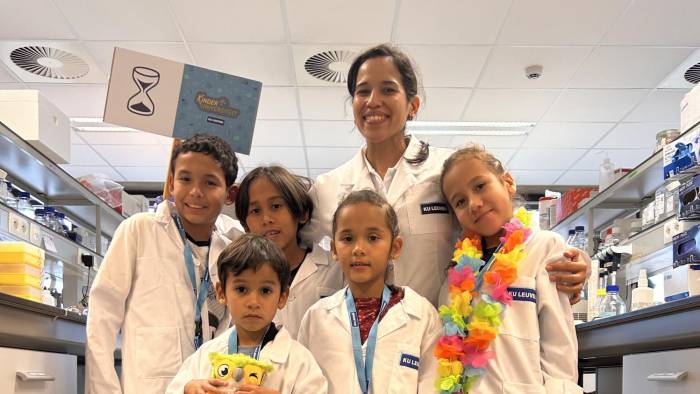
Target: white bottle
47	298
642	296
607	174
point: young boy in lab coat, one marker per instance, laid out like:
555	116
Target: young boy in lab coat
390	332
254	284
274	203
158	275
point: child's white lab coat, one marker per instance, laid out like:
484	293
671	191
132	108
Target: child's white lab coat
143	290
409	330
426	225
536	349
318	277
294	368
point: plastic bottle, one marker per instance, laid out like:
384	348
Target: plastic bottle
612	304
24	206
607	174
60	223
3	189
39	216
642	296
570	237
600	294
10	200
49	218
579	240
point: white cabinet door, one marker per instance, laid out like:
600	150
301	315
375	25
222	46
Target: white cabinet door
44	372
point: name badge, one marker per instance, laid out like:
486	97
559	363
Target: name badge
410	361
433	207
353	319
523	294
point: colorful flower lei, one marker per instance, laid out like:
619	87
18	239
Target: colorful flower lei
468	330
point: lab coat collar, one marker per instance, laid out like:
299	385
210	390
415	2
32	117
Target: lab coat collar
278	350
394	319
404	178
310	265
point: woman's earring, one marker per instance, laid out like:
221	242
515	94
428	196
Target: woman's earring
411	116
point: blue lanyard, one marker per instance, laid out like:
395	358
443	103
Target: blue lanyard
364	367
203	287
487	267
233	343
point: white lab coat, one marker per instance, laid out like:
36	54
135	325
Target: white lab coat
536	349
143	290
294	368
318	277
410	328
428	234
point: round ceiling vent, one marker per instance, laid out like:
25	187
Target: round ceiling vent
330	66
49	62
692	75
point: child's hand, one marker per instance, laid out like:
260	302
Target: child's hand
205	386
251	389
570	272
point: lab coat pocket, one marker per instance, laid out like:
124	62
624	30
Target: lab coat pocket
157	351
522	388
428	213
520	318
405	376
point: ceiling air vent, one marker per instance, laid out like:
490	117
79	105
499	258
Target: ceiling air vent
49	62
330	66
692	75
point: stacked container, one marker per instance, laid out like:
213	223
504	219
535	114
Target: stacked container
21	266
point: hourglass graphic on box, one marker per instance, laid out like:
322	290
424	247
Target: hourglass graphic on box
145	79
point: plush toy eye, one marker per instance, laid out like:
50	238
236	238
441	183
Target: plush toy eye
222	371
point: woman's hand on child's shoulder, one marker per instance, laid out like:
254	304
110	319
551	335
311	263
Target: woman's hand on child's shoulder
570	273
251	389
205	386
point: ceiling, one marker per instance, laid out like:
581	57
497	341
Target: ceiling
612	73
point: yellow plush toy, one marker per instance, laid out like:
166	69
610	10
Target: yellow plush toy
237	369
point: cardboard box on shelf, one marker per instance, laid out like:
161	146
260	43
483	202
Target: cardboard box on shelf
133	204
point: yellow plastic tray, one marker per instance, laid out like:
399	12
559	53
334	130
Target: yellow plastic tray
20	280
21	253
27	292
26	269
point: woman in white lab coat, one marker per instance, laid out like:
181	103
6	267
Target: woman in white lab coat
405	171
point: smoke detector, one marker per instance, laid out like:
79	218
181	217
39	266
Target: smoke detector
330	66
59	62
49	62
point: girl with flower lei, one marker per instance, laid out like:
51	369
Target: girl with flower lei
505	326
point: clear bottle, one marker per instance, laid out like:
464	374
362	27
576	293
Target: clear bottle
612	304
50	218
570	237
60	223
39	216
580	240
3	189
24	206
10	200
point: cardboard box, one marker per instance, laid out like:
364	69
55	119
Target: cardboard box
686	247
681	156
676	284
571	200
689	199
690	109
133	204
34	118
